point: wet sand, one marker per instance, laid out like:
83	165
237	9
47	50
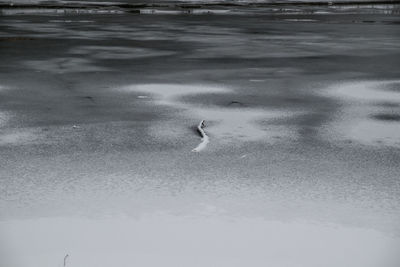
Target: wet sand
98	117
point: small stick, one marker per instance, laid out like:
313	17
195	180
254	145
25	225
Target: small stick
200	129
65	260
204	137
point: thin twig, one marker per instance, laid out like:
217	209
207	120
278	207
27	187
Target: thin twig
204	137
65	260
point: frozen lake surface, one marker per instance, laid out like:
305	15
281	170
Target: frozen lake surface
99	117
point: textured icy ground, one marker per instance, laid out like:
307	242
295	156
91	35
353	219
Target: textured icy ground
192	241
98	118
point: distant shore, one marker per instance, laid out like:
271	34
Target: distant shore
201	7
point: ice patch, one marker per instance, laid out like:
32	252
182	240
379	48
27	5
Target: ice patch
367	91
117	52
301	20
3	119
376	132
225	125
357	120
64	65
71	21
17	137
167	94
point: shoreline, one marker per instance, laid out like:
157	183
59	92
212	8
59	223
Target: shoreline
292	7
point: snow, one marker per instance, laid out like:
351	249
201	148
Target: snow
168	240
